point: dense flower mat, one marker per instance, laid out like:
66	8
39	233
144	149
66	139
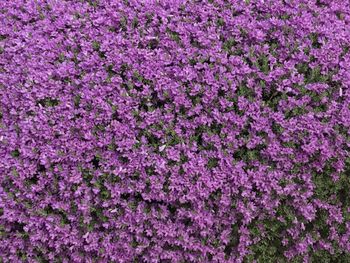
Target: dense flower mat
175	131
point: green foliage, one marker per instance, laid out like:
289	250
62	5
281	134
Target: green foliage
93	3
248	155
311	75
49	102
172	137
135	22
87	176
314	40
15	153
220	22
244	91
233	242
174	36
290	144
277	128
263	64
61	57
326	257
269	248
104	193
110	71
97	214
326	186
96	45
228	46
77	100
297	111
272	97
212	163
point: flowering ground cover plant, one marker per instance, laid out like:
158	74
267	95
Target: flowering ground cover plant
174	131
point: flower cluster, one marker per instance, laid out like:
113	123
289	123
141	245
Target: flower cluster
174	131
